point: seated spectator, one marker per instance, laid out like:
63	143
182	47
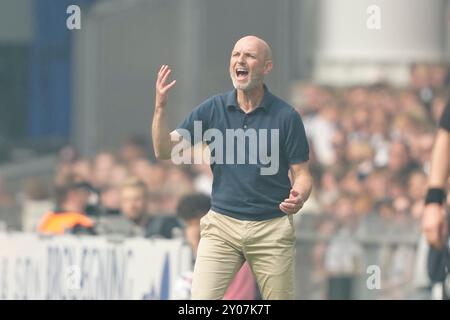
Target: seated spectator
191	209
135	221
133	200
69	215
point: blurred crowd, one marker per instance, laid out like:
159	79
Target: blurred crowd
114	187
370	150
370	153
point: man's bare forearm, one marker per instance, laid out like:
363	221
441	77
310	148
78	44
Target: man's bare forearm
440	160
162	144
303	184
161	134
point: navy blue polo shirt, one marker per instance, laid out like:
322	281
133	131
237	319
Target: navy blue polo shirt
250	152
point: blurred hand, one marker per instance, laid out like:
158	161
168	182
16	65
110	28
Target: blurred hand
434	225
162	88
293	204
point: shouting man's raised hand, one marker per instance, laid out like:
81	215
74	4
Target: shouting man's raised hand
162	87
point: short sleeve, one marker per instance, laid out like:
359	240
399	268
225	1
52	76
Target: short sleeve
296	144
193	127
445	118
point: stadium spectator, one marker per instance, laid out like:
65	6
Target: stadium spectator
135	220
69	215
133	198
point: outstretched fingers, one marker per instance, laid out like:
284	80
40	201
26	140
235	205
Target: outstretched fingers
160	73
161	82
164	76
170	85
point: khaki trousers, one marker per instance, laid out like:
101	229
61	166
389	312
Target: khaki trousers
268	246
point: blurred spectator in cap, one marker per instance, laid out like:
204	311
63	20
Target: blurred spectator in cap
69	215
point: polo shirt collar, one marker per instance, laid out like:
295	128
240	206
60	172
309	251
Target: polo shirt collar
266	101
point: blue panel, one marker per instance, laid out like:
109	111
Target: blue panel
50	73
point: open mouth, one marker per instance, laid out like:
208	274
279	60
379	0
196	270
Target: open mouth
241	73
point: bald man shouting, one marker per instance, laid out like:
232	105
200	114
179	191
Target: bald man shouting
254	140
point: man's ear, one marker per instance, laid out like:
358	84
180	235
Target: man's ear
268	67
